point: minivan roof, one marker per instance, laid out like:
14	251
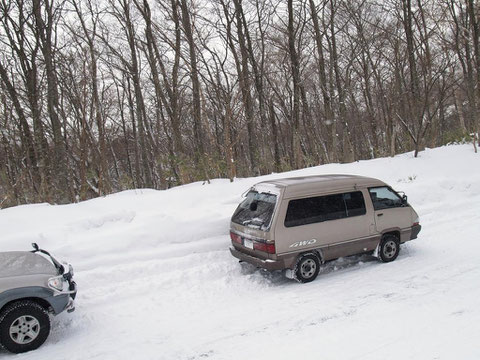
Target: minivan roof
306	185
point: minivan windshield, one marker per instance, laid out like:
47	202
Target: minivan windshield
256	210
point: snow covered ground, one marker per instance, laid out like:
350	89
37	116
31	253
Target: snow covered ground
156	279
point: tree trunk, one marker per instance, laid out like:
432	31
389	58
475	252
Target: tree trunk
476	51
139	103
295	67
276	149
45	30
329	116
197	115
247	97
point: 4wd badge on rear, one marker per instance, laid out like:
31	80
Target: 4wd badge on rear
303	243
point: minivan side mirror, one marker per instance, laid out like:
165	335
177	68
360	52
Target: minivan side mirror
404	199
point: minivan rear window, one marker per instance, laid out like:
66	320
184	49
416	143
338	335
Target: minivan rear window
256	210
323	208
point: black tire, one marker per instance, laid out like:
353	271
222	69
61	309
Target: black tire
389	248
307	268
24	326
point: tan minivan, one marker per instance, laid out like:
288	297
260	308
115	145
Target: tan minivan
296	224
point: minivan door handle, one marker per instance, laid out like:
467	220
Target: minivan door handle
381	214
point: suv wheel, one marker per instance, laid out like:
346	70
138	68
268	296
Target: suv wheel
24	326
389	248
307	268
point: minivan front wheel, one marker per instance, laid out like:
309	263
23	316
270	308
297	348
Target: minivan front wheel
389	248
307	268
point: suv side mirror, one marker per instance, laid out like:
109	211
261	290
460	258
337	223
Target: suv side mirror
404	199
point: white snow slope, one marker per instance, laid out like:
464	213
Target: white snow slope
156	279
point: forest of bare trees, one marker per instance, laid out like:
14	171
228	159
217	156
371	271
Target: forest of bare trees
102	96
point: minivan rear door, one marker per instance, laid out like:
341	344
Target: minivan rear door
391	212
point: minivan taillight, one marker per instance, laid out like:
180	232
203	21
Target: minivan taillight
416	222
235	238
268	248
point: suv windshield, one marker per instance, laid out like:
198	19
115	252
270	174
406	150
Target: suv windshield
256	210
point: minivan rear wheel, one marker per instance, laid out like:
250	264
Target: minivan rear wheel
307	268
389	248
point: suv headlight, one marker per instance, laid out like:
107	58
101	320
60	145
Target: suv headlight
56	283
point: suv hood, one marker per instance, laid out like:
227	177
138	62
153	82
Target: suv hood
21	263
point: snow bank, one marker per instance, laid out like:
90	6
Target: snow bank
156	280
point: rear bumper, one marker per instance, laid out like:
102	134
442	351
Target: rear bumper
415	230
267	264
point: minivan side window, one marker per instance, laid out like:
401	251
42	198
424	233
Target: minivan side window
384	198
354	203
322	208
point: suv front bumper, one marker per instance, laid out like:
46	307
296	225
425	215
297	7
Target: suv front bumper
71	299
63	301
